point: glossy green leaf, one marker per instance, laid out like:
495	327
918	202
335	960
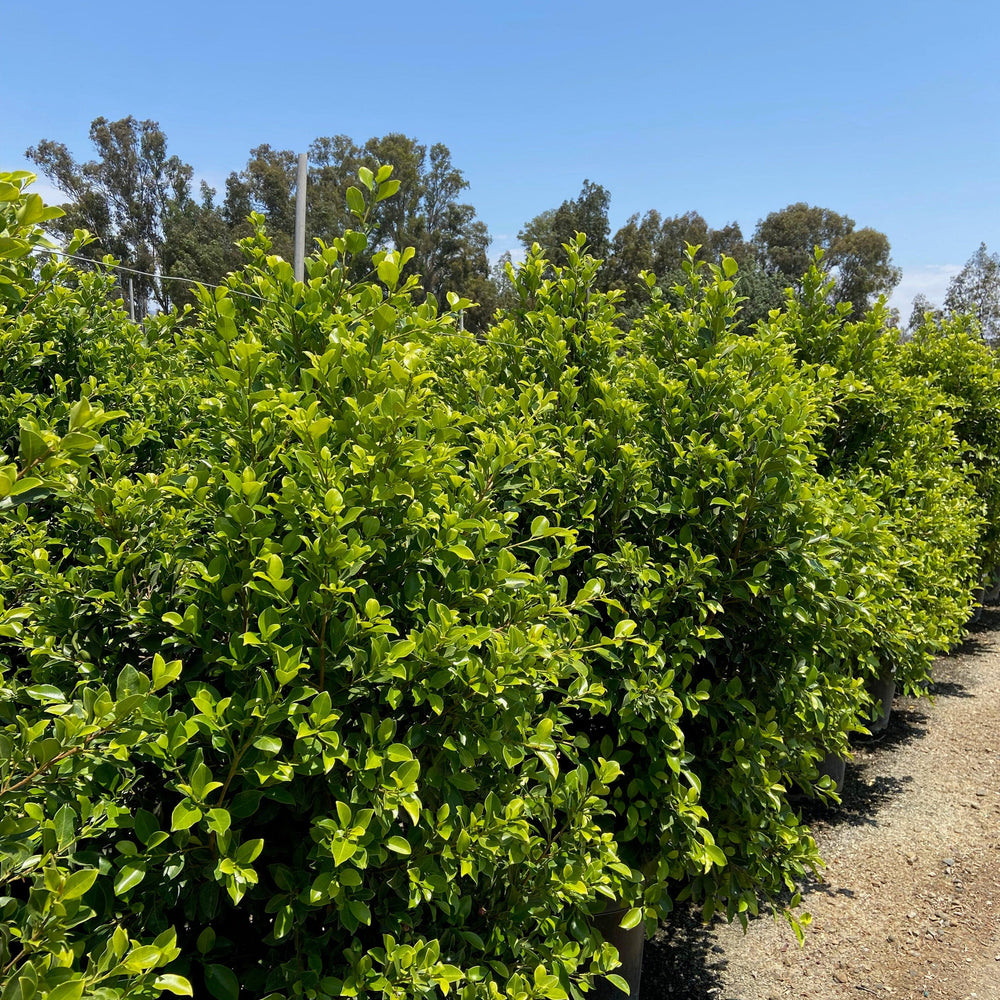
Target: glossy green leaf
128	878
184	815
399	845
79	882
175	984
356	201
221	982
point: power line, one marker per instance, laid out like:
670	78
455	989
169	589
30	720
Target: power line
144	274
253	295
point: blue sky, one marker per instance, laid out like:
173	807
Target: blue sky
884	111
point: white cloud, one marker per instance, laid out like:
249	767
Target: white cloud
930	279
502	243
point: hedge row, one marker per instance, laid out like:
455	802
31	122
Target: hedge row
345	654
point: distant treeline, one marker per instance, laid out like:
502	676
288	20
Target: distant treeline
140	204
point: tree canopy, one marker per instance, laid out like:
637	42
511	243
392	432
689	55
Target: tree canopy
556	227
859	259
780	252
976	290
123	196
138	202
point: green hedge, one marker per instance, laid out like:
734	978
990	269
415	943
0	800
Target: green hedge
347	654
952	354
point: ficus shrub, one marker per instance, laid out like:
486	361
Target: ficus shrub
686	455
895	441
951	353
68	743
365	779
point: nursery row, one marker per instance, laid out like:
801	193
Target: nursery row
346	654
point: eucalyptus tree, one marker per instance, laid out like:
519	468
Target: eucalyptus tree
858	259
123	196
425	211
554	228
976	290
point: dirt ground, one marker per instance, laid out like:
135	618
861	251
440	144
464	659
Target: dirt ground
909	905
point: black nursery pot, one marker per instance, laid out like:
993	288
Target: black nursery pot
882	690
629	944
979	597
834	767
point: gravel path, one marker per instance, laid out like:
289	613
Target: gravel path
909	906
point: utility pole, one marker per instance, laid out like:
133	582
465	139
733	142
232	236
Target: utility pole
300	216
131	300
